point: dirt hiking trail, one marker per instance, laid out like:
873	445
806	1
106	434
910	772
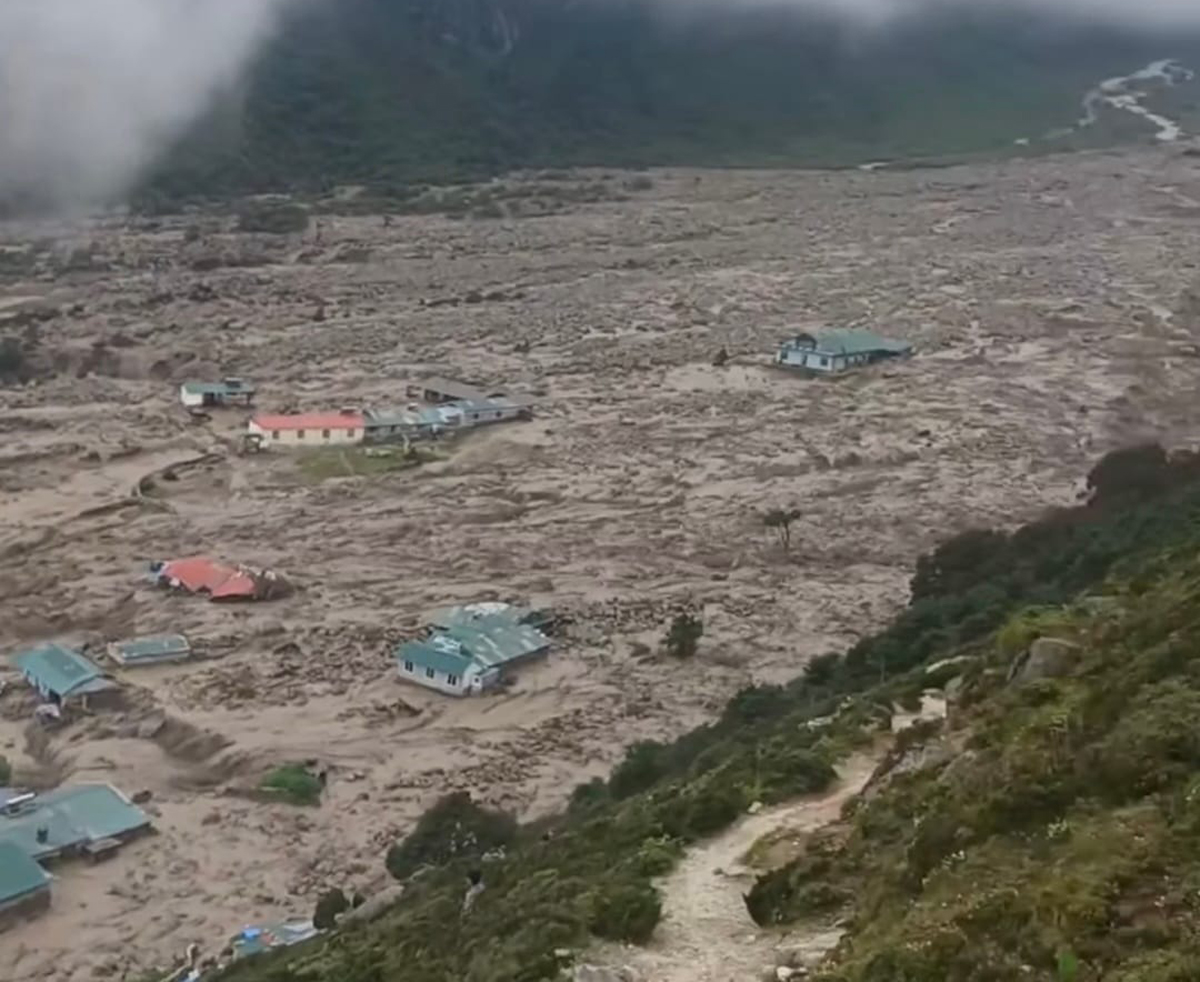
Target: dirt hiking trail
706	934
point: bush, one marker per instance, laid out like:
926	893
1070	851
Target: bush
329	905
625	911
645	762
658	856
683	637
293	783
454	828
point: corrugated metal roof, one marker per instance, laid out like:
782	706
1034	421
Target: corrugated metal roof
142	650
72	817
226	387
471	613
199	574
61	670
850	342
309	421
19	874
493	641
435	653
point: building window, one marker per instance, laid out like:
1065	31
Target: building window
474	417
408	667
274	434
299	434
429	673
499	415
324	434
824	362
452	679
350	433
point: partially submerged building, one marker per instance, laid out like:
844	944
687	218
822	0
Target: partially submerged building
440	406
258	938
469	649
833	352
89	820
24	885
150	651
227	392
218	581
62	675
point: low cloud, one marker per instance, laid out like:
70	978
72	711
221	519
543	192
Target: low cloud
91	91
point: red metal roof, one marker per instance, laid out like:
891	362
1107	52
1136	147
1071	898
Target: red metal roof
201	575
310	421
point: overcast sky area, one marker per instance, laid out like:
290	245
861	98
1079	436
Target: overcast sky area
92	91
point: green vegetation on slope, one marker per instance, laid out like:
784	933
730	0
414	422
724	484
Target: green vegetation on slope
392	94
1067	828
1042	747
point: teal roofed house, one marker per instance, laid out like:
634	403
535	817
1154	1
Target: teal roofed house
470	649
80	819
150	651
60	674
24	885
833	352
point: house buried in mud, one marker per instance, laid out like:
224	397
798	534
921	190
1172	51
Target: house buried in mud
834	352
469	648
219	581
62	676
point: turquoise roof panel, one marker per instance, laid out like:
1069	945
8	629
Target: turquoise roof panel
143	650
60	670
440	653
20	875
71	817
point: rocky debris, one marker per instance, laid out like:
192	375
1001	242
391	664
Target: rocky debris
1046	658
600	973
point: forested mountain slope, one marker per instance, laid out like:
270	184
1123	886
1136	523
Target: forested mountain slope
394	91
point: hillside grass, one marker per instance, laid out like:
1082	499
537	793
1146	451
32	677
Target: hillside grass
995	879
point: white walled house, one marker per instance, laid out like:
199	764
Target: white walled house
833	352
227	392
300	430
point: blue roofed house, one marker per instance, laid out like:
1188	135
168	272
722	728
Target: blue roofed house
61	674
833	352
470	648
150	651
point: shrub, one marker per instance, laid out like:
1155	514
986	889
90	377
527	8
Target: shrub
293	783
329	905
454	828
683	637
625	911
657	856
645	762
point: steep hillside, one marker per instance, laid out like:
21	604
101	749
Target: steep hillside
388	92
1051	823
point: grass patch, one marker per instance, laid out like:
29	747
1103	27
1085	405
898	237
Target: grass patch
293	783
334	462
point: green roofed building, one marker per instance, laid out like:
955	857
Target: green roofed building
59	673
84	819
831	352
150	651
470	648
24	885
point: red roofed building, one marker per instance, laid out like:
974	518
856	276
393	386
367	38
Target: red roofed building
308	429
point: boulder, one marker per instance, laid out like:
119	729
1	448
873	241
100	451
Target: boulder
1047	658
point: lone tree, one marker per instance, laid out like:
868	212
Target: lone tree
684	635
780	519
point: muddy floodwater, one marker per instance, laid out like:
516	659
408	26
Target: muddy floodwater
1049	304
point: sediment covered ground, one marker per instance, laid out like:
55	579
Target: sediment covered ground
1049	302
